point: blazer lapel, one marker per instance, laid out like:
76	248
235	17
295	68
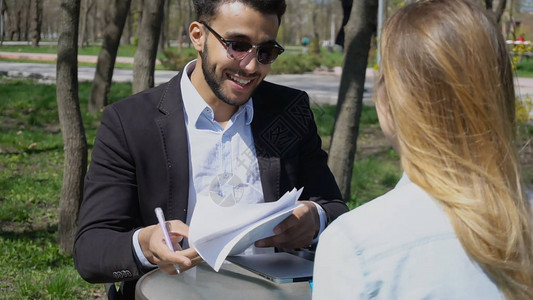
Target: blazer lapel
267	158
174	137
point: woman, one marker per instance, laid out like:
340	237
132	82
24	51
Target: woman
458	224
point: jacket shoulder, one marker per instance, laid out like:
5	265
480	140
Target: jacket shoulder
278	97
143	100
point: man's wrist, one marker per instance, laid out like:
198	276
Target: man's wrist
139	251
322	219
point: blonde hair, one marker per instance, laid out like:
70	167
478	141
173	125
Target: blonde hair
448	88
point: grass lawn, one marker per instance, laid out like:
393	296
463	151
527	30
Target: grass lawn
118	65
31	169
525	68
123	50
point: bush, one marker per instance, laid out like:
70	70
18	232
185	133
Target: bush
288	63
176	61
295	64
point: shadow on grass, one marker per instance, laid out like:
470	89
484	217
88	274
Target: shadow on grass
9	231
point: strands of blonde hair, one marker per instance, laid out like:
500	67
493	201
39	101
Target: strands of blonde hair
449	90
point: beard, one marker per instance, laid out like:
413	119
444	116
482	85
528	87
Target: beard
210	77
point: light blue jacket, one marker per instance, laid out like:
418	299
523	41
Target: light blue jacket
398	246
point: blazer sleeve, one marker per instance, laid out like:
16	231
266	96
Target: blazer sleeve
285	129
313	171
103	250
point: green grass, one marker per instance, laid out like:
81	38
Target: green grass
123	50
525	68
374	172
118	65
31	170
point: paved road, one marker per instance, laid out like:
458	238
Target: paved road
322	87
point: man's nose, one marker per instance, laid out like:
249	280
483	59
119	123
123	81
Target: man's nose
249	62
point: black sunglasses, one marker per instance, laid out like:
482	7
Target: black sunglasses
266	52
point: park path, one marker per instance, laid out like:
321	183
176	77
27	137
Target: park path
322	87
53	57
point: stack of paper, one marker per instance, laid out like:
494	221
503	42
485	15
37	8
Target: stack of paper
217	231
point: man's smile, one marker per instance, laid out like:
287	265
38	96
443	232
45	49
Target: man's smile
239	80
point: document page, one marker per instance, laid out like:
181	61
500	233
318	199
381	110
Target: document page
217	231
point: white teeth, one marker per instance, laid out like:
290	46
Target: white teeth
240	82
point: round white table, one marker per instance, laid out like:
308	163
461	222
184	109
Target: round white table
231	282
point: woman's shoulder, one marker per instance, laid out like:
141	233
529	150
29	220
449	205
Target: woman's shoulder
404	215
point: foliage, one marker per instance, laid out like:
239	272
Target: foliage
314	46
177	60
518	52
295	64
523	109
288	63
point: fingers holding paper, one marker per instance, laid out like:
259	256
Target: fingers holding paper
297	230
155	249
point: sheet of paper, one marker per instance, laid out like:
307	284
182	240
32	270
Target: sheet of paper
216	231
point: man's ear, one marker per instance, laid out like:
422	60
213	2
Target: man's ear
196	33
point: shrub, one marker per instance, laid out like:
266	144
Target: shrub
176	61
295	64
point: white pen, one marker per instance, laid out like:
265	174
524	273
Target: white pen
161	220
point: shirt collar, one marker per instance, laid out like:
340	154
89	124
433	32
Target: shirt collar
195	105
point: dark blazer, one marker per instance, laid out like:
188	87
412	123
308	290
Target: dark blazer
140	161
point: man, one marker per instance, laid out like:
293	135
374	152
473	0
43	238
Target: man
183	141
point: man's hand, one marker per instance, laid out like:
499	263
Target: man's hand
157	252
297	230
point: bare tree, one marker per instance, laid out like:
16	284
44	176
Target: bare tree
3	11
139	16
145	56
118	12
87	7
95	21
75	143
37	20
497	11
126	32
164	27
358	35
26	12
15	24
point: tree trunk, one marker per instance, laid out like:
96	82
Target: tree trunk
495	12
499	9
139	13
358	35
145	56
83	25
126	32
27	18
75	143
3	9
37	20
118	12
95	22
18	30
164	41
